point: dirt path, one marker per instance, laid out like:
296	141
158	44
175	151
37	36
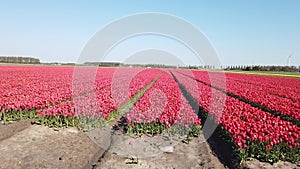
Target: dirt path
196	154
23	145
42	147
7	131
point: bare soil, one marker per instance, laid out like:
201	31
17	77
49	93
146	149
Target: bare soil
9	130
196	154
41	147
23	145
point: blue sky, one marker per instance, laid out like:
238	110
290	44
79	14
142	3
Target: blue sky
261	32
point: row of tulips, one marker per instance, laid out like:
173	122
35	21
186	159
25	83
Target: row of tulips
255	133
91	79
163	107
261	95
278	86
39	87
93	107
26	88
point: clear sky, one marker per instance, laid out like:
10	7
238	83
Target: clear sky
242	31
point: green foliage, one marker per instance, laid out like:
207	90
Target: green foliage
195	130
88	123
275	153
259	150
12	115
58	121
154	128
145	128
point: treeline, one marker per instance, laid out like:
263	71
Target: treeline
118	64
264	68
149	65
17	59
103	64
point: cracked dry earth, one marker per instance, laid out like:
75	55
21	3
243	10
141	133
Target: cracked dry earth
23	145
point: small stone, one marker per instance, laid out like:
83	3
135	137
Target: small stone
167	149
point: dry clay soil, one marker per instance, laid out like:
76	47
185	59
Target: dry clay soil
23	145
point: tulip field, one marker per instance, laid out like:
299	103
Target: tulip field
255	132
259	115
